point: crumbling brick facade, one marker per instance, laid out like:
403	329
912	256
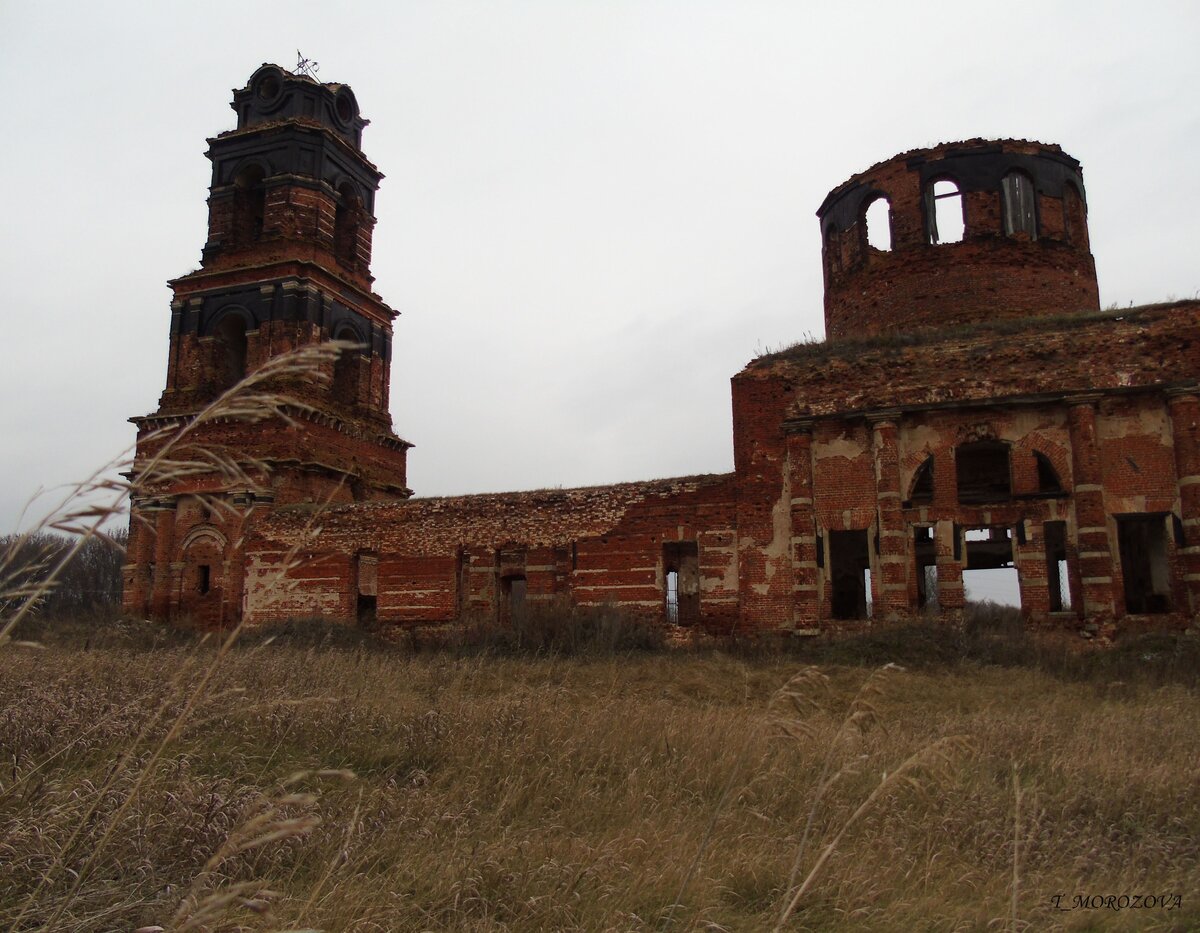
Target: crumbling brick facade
972	409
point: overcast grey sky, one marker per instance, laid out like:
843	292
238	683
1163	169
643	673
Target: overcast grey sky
594	213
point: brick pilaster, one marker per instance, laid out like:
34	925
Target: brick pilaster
1095	548
892	587
1184	407
805	585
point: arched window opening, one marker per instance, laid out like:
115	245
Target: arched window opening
833	250
878	220
249	205
347	217
231	350
944	212
1020	205
983	472
1074	217
1048	480
922	487
345	370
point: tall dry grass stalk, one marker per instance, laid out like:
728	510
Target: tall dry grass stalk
807	694
83	512
1016	859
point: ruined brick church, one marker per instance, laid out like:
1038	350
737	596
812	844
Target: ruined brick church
971	408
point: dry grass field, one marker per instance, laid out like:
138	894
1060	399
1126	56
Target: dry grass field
152	781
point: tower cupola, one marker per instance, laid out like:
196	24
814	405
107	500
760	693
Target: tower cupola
959	233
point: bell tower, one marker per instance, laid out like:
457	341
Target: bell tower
286	264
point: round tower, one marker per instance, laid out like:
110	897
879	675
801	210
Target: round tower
963	232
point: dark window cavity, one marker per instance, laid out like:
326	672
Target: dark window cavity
922	487
1048	480
850	574
249	205
1145	562
983	473
231	349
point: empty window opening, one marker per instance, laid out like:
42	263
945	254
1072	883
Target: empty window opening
1020	205
944	216
462	582
345	370
927	586
925	555
1048	480
990	574
512	598
850	566
249	205
204	579
347	219
365	610
1057	576
1145	563
1074	217
878	219
983	473
681	582
922	487
231	346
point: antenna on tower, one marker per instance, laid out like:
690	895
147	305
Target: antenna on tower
306	66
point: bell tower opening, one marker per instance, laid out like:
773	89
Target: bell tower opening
231	346
249	205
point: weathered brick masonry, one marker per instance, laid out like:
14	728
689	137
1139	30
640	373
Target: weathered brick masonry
972	409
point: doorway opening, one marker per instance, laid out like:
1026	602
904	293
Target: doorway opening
850	574
1145	563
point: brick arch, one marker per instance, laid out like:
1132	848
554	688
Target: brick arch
1058	455
922	473
347	329
202	582
221	314
203	532
259	162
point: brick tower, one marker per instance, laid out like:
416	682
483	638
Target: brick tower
286	264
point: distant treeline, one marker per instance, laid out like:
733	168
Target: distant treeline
89	582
